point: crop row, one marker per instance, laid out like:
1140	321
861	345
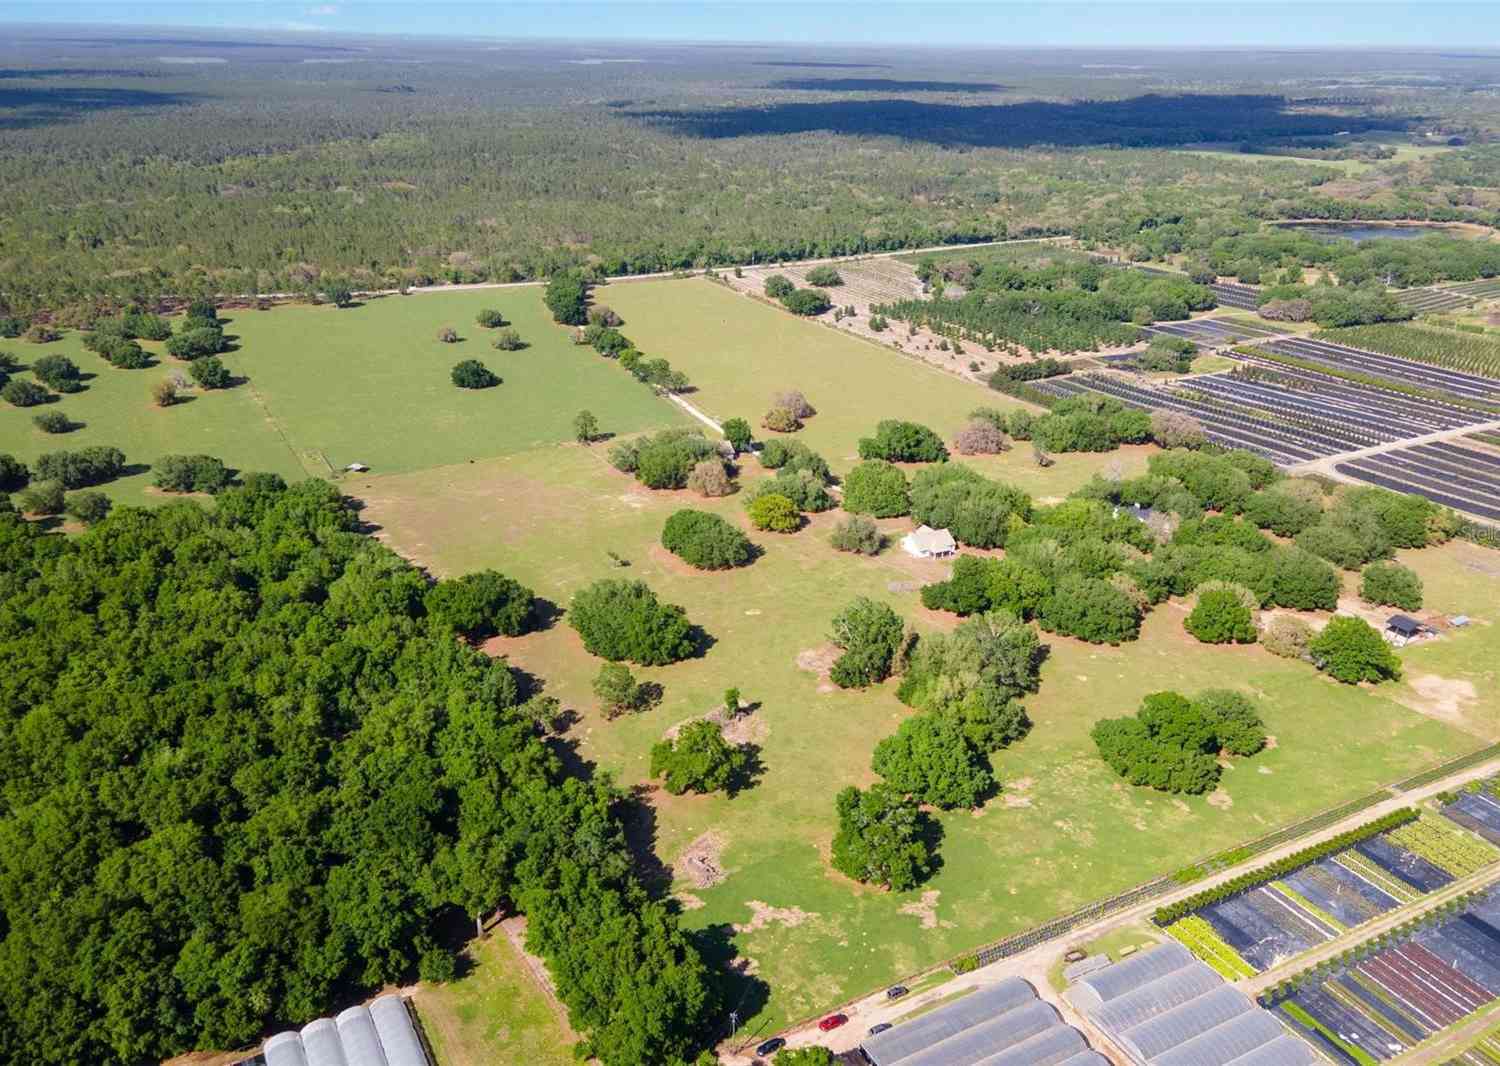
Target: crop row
1202	940
1468	352
1458	853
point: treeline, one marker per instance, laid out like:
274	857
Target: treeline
250	775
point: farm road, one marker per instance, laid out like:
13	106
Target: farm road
1034	963
1324	465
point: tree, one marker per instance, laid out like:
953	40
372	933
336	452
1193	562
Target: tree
1236	721
448	335
89	507
194	342
19	393
774	513
868	633
930	758
507	340
699	760
738	433
806	302
903	442
1221	617
1168	745
1303	581
190	473
1174	429
59	372
791	456
1282	513
472	374
663	461
857	534
490	318
793	401
482	604
42	498
705	541
87	466
780	420
585	427
13	474
52	422
980	437
977	511
210	373
624	620
616	689
337	292
824	276
876	487
973	676
709	478
1351	650
882	838
164	392
1090	609
600	315
779	286
1391	584
566	296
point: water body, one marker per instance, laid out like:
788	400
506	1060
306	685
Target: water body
1369	231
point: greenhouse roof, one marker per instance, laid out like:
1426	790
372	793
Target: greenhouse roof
381	1034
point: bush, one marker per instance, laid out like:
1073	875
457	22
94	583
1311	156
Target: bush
1237	722
1391	584
1174	429
876	488
780	420
792	400
806	491
824	276
190	473
1302	581
566	296
1282	513
88	507
616	689
83	468
700	760
775	513
482	604
210	373
779	286
791	455
1090	609
11	327
600	315
974	675
709	478
1351	650
41	333
42	498
882	838
1220	617
977	511
20	393
58	371
980	437
903	442
13	474
1168	745
164	392
507	340
930	759
489	318
472	374
857	534
705	541
868	633
663	461
623	620
196	342
52	422
1287	636
738	433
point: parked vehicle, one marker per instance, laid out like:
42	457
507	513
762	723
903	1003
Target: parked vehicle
878	1028
896	991
833	1021
771	1046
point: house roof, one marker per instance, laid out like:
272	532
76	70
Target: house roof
932	540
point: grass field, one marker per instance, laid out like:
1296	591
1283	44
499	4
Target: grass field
370	384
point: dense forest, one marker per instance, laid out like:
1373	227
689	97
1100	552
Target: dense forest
190	166
250	773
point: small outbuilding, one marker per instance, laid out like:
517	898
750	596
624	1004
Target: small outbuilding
356	468
1400	628
924	542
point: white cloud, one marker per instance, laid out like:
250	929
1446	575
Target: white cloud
324	9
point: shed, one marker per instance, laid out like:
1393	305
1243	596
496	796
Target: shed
1404	626
356	468
924	542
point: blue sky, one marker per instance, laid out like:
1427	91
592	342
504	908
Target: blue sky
1121	23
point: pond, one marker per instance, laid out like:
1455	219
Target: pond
1369	231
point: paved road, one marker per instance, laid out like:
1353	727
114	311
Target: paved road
1033	964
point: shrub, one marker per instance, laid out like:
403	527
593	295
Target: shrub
59	372
472	374
1281	512
566	296
877	488
903	442
41	333
791	455
1237	722
979	437
623	620
210	373
930	759
775	513
616	689
507	340
882	838
667	460
1090	609
1287	636
738	433
1351	650
85	467
780	420
977	511
482	604
868	633
13	474
1391	584
448	335
824	275
489	318
196	342
709	478
190	473
20	393
1168	745
42	498
88	507
778	286
52	422
792	400
699	760
600	315
1174	429
1221	617
11	327
857	534
585	427
806	491
705	541
164	392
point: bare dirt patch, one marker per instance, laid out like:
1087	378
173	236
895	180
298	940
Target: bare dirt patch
700	863
1446	699
819	661
1015	794
742	727
1220	799
687	901
763	915
925	910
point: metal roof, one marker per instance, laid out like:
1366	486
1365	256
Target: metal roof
919	1033
1285	1050
980	1041
381	1034
1130	974
1047	1048
1157	997
1224	1043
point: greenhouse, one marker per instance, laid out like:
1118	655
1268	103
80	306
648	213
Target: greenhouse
1003	1024
1165	1008
381	1034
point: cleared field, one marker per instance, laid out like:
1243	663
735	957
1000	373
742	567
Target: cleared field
1064	831
328	387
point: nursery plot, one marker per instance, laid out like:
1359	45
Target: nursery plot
1394	368
1478	812
1212	331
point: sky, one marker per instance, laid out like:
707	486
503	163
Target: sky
1003	23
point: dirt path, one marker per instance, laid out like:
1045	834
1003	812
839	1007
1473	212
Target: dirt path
696	412
1033	964
1325	465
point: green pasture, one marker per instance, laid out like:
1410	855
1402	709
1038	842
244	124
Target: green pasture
1063	832
326	387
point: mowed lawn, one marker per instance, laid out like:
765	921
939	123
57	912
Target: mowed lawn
325	387
1063	832
739	353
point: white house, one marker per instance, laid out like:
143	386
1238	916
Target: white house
924	542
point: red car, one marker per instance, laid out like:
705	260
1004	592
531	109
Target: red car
833	1021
